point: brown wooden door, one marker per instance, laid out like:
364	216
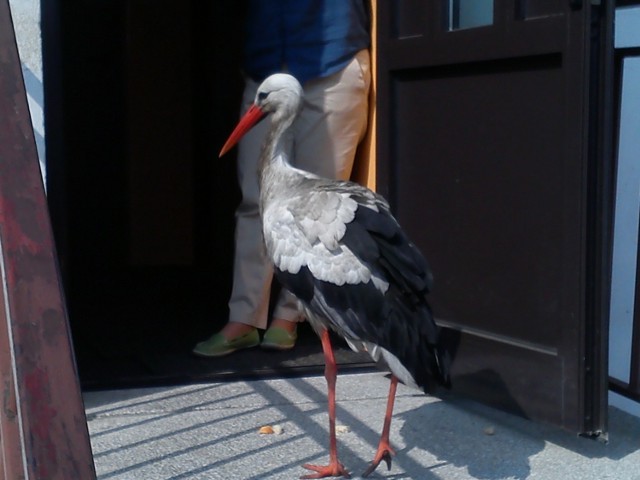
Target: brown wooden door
491	150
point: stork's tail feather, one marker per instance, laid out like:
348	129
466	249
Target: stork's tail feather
430	365
442	359
447	346
416	344
433	371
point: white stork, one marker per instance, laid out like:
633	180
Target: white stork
338	249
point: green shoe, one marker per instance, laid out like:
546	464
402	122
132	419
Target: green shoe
218	345
278	338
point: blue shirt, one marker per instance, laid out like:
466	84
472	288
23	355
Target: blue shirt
307	38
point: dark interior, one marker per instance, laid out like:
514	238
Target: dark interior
140	97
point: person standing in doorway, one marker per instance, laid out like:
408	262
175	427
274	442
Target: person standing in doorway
325	45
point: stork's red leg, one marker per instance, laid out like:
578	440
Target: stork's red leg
335	468
385	452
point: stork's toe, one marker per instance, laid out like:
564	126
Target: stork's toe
334	469
385	454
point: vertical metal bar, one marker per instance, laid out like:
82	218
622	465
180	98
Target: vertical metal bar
43	428
633	390
600	191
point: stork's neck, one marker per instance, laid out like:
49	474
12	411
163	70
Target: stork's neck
278	141
275	170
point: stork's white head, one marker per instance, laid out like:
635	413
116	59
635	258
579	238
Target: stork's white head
280	95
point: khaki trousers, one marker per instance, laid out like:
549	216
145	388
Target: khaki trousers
326	134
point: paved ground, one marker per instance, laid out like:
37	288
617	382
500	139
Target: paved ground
211	432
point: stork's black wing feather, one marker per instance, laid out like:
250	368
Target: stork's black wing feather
396	318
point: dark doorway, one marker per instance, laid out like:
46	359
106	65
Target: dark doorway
493	153
140	97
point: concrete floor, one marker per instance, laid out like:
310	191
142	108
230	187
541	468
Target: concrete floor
210	431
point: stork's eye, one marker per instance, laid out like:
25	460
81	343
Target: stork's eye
262	95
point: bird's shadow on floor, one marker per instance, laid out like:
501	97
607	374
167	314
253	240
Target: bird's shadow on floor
492	445
455	435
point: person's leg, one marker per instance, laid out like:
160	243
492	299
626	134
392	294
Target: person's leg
328	130
333	120
332	123
252	272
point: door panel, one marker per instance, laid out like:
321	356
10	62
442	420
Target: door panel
513	267
483	153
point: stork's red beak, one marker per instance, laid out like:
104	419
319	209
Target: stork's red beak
249	119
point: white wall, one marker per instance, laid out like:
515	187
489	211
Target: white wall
26	23
627	27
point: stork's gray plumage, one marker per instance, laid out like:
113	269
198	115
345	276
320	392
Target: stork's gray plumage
336	246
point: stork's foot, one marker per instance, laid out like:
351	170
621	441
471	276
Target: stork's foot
334	469
385	452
